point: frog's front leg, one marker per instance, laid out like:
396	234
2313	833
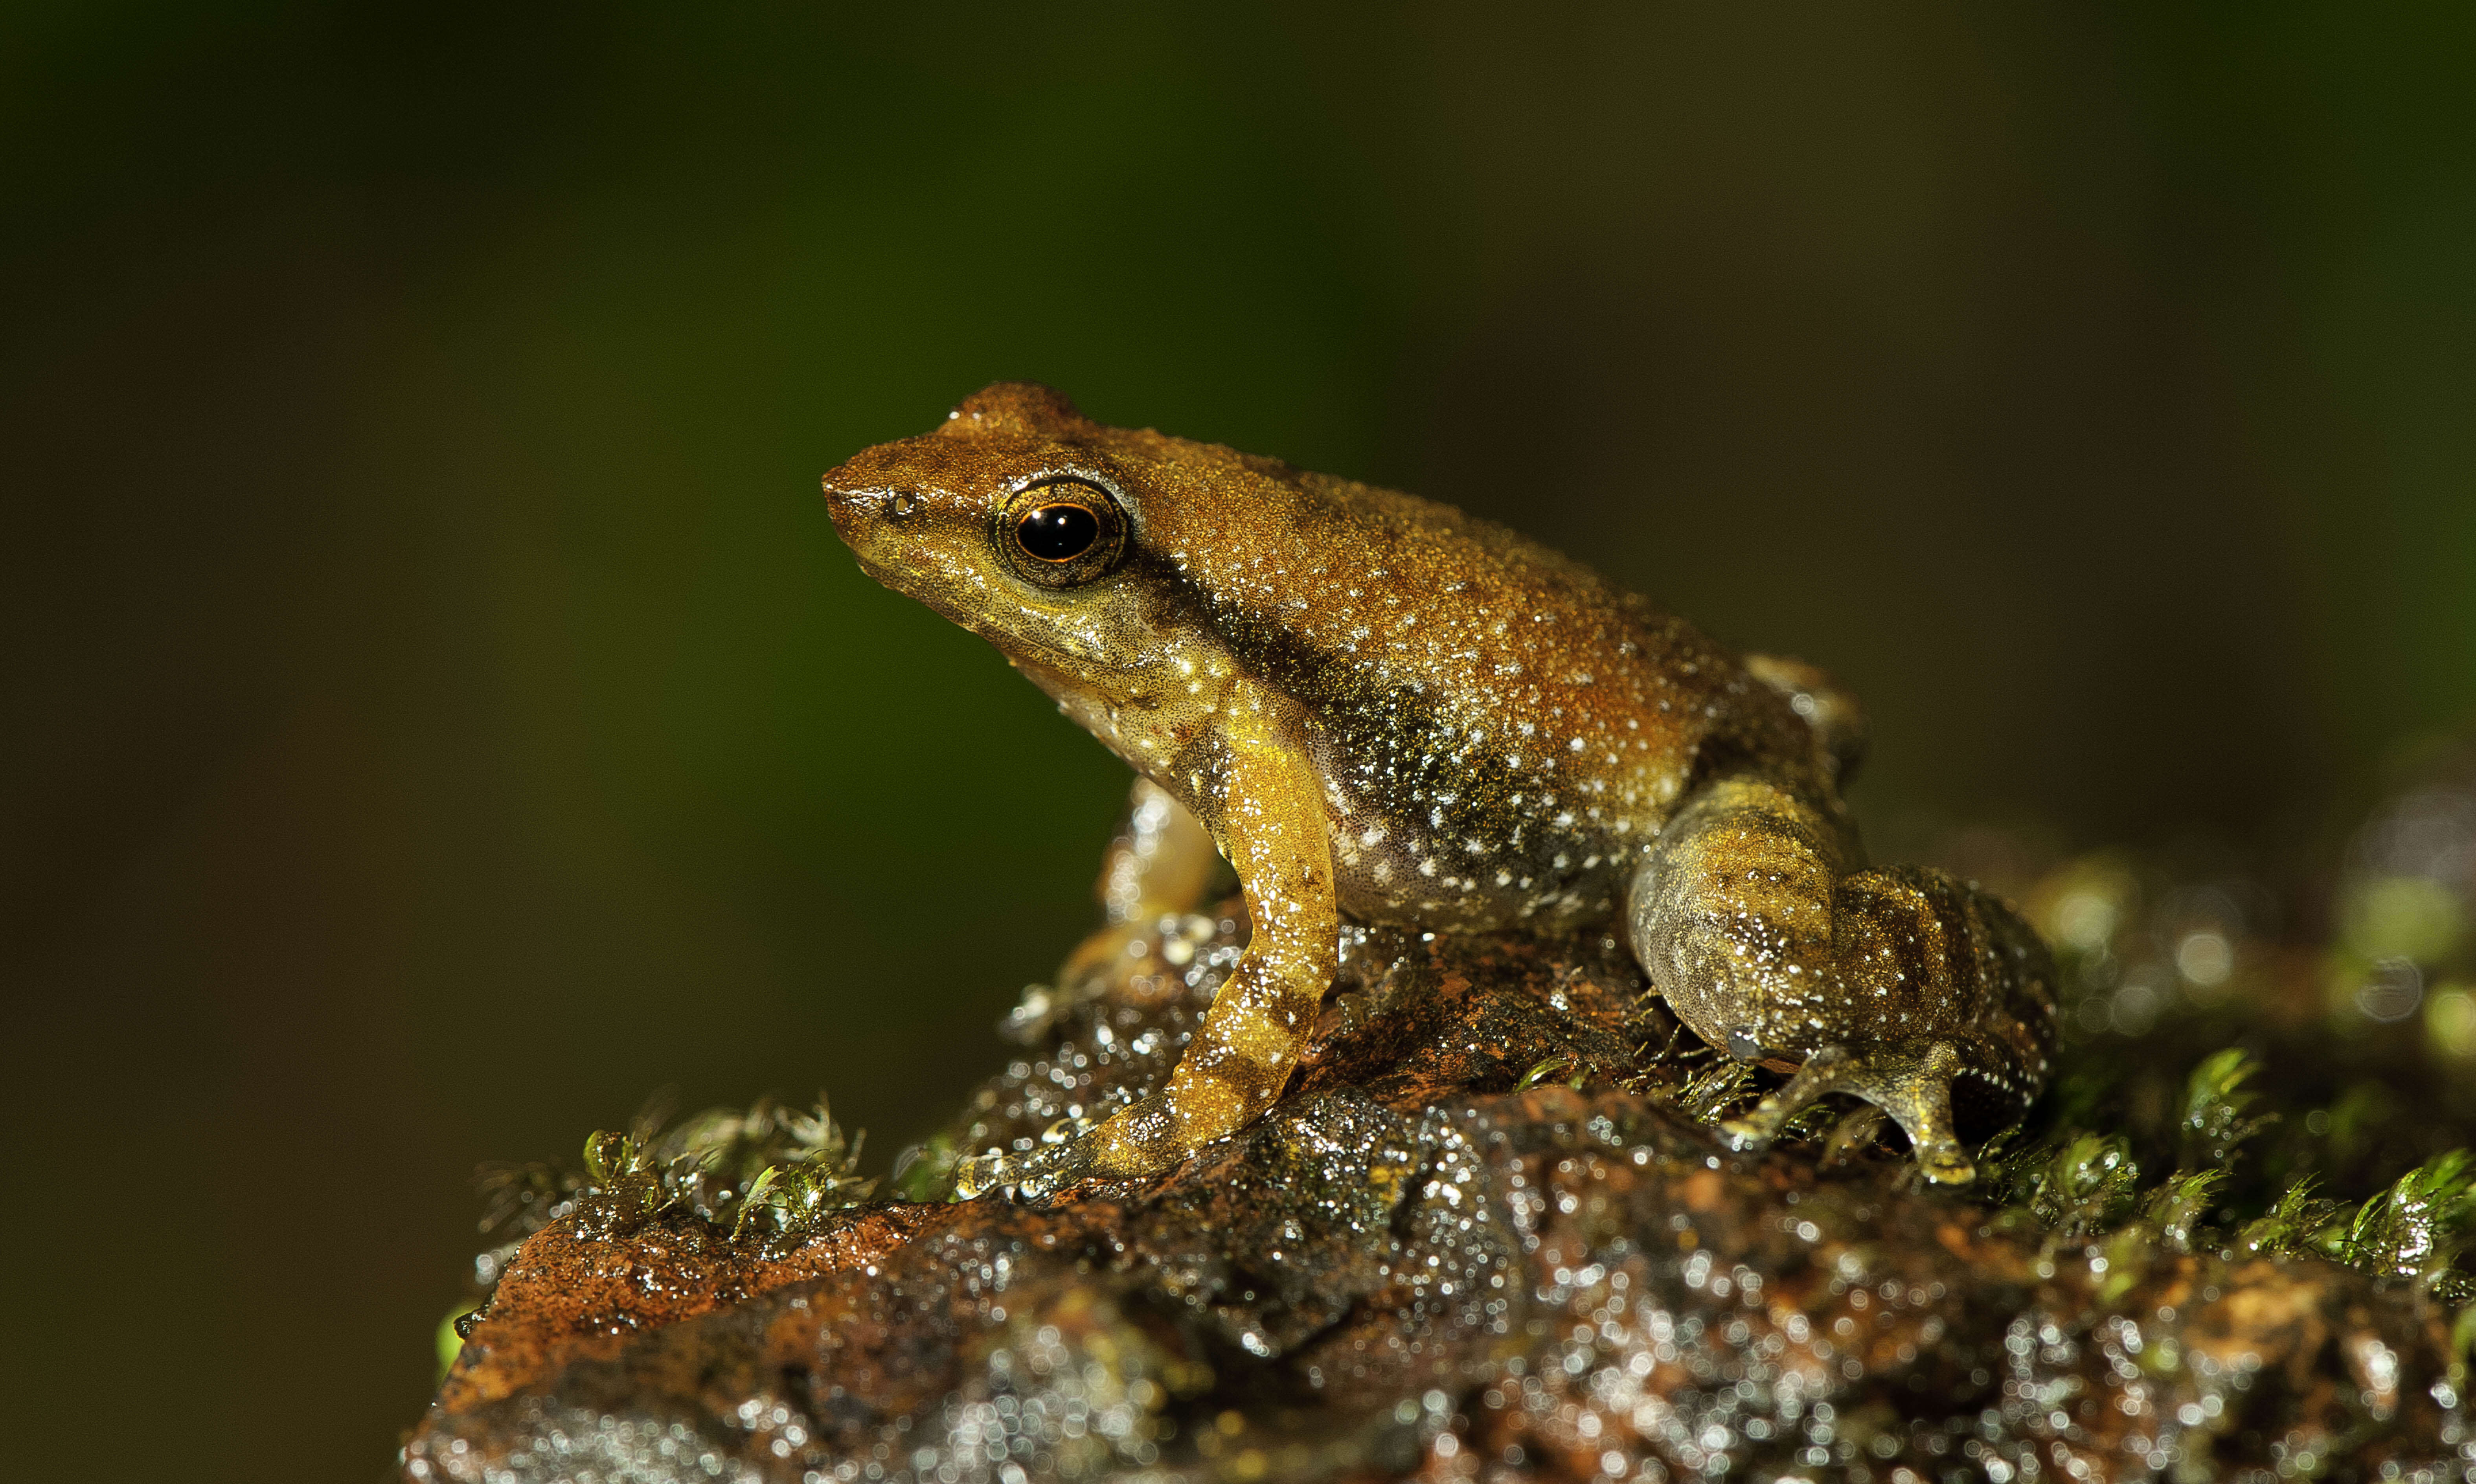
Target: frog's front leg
1267	807
1161	862
1887	984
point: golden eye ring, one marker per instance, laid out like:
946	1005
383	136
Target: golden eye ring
1061	533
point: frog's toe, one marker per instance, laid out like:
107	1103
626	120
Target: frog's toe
1134	1142
1036	1175
976	1174
1913	1085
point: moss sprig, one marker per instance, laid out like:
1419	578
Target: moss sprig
791	1199
2300	1225
2215	1118
2418	1226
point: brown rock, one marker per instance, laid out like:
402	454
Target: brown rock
1417	1267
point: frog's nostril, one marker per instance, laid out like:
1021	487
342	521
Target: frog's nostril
854	509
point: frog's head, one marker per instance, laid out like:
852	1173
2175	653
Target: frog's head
1023	520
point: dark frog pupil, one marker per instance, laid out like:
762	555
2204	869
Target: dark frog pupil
1058	532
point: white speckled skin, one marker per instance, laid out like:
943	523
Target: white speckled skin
1381	706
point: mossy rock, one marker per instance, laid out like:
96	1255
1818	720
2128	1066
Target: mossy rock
1488	1233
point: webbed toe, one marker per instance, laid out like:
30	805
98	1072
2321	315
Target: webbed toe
1911	1084
1139	1140
1031	1175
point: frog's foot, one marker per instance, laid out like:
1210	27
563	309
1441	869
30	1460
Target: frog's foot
1134	962
1036	1175
1913	1085
1136	1141
1104	961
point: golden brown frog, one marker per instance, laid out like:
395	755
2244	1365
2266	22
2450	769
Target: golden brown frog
1381	707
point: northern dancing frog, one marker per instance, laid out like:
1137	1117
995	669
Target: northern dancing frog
1379	708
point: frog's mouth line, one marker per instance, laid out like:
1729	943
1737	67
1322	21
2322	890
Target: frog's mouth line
897	579
1008	642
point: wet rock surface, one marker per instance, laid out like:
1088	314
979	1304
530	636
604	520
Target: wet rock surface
1489	1234
1415	1267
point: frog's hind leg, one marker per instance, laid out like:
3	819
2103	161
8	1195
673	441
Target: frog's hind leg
1751	917
1912	1086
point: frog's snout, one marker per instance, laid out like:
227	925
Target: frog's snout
857	512
848	507
840	508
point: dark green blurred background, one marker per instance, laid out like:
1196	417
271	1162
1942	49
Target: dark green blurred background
438	711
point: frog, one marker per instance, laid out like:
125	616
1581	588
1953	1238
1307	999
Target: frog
1381	710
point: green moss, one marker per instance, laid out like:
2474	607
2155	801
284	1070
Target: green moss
2084	1185
448	1337
767	1173
2174	1210
1563	1070
2217	1115
1712	1093
818	1176
925	1172
2417	1228
2299	1225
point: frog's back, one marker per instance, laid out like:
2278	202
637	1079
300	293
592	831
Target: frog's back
1502	731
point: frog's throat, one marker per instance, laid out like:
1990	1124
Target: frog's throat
1139	689
1083	672
906	582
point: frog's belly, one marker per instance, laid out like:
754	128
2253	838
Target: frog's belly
1429	832
1387	871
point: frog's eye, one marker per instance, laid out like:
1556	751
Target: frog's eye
1057	532
1062	532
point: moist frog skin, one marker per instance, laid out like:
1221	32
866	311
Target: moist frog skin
1375	706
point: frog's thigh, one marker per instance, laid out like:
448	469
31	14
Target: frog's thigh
1731	917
